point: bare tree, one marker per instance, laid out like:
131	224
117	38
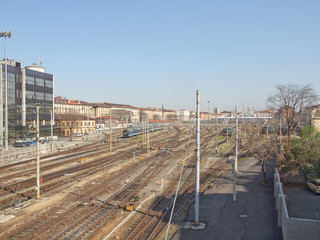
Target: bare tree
292	100
267	149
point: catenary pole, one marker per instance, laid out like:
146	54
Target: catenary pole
196	221
110	132
258	133
208	112
235	167
38	155
6	35
216	132
51	113
280	135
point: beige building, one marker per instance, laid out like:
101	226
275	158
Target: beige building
126	113
69	106
315	116
74	125
150	113
316	119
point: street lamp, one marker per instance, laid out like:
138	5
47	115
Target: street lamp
6	35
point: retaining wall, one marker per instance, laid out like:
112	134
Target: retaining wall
293	228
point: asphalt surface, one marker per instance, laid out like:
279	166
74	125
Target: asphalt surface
252	216
303	203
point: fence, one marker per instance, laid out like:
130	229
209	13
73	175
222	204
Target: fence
293	228
16	154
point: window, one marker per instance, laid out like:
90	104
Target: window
30	95
29	80
49	84
40	82
48	96
39	95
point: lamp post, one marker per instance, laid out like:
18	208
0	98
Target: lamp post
6	35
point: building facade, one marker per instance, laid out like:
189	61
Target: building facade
74	125
183	115
27	88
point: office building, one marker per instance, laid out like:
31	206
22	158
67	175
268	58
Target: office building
27	88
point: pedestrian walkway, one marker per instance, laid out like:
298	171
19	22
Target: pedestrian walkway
252	216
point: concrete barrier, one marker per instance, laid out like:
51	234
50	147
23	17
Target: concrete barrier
293	228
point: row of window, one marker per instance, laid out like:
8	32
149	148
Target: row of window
39	95
72	109
39	82
77	124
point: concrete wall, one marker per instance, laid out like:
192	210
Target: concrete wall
293	228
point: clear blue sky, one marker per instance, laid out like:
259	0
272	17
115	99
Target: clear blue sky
149	53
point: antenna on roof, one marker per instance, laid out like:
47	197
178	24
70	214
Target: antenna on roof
41	61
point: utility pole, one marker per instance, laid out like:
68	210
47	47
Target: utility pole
196	221
258	133
38	155
110	132
6	35
162	118
235	165
208	112
51	113
216	132
280	135
148	139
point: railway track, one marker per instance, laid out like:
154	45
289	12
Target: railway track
84	213
28	226
149	226
24	190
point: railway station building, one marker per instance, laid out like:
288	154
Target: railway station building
28	87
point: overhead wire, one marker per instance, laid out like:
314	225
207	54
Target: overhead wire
178	186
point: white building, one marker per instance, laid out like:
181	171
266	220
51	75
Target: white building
183	115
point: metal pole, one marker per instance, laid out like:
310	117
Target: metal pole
196	221
38	155
51	113
6	35
148	141
258	134
110	133
208	112
6	93
280	131
280	135
216	133
235	168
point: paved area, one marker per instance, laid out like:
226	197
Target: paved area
252	216
63	143
303	203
